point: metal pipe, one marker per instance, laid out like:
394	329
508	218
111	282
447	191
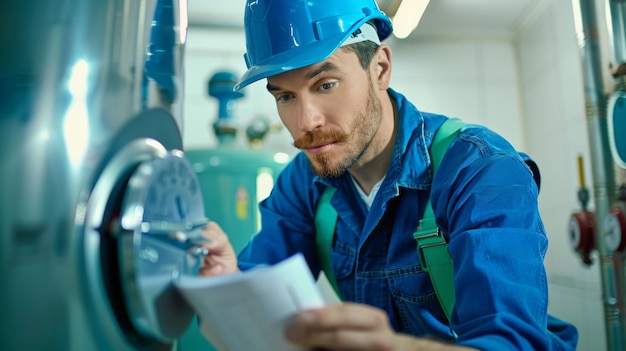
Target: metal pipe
611	265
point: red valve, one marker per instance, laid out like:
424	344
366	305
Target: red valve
582	234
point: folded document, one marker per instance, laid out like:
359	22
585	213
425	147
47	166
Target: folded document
249	311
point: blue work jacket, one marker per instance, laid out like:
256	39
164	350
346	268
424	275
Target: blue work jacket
485	200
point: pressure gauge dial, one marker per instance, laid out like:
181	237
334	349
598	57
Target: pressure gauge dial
162	217
614	230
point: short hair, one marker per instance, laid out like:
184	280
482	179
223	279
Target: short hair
364	50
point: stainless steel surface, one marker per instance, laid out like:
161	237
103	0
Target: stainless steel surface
89	91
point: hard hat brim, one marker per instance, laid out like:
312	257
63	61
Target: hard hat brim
285	61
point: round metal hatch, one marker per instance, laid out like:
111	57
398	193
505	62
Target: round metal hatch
143	224
162	216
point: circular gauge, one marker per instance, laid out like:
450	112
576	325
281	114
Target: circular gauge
162	216
163	190
614	230
574	232
582	234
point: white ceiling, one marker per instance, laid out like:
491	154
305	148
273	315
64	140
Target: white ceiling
486	18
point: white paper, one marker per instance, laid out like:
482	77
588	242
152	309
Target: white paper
248	311
326	289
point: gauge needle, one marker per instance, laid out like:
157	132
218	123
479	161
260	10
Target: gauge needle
165	227
179	207
187	233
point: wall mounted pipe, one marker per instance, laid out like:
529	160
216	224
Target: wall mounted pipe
611	264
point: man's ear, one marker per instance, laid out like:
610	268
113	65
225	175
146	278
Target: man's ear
382	66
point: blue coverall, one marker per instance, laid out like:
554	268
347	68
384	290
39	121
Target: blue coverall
485	201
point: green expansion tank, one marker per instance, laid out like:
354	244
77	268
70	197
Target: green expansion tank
233	178
233	182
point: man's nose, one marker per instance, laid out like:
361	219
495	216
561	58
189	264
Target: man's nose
310	116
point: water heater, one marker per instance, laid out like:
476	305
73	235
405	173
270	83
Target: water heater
99	209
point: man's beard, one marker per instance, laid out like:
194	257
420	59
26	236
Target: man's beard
361	133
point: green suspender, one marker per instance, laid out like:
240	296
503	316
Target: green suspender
325	220
432	247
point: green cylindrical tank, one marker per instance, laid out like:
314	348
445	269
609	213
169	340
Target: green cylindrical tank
234	179
233	182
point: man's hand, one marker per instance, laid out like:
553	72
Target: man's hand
354	327
221	258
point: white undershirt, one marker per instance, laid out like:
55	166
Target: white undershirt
367	199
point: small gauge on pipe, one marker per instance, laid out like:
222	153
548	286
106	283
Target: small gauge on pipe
614	230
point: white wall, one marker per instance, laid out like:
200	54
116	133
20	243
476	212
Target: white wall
475	80
529	89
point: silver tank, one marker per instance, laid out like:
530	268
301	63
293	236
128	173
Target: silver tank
90	123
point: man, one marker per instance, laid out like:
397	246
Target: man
330	74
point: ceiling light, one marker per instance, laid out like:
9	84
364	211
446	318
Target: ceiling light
408	16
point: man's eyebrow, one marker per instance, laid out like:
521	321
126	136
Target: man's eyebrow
327	66
271	88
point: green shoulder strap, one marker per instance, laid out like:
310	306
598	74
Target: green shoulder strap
325	220
432	250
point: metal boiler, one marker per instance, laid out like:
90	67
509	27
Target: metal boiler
99	209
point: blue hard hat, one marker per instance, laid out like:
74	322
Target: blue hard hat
282	35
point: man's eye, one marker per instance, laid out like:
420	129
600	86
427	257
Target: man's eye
327	86
283	98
